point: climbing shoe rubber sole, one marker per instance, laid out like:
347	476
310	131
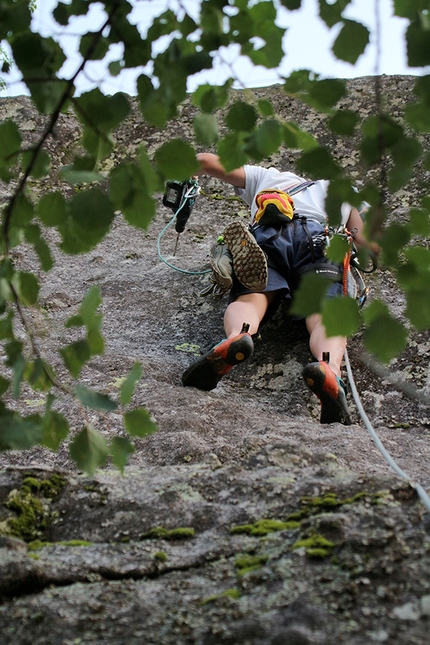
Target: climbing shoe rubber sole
330	390
249	261
207	370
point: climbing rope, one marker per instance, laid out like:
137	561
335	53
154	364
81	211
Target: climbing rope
421	492
191	192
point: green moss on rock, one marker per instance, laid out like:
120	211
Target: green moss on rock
31	504
35	545
247	563
330	502
228	593
181	533
316	546
264	527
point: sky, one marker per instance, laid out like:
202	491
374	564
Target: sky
308	42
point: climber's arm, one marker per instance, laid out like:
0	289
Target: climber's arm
211	165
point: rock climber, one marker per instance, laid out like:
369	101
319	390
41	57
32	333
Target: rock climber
288	250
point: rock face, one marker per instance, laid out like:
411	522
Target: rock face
242	520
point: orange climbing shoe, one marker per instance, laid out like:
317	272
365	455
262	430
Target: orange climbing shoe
331	391
218	361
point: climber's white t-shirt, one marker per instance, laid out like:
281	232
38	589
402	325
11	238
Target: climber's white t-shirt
309	202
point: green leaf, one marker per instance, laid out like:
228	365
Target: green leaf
176	159
90	218
93	47
89	450
394	238
321	94
22	212
294	137
384	336
405	154
241	117
327	92
6	328
55	430
231	151
337	248
155	110
292	4
63	11
52	209
340	191
418	305
210	98
94	400
331	11
418	116
103	113
11	143
121	449
263	16
39	59
15	17
318	163
417	45
33	236
39	163
75	356
351	41
129	193
138	423
265	140
340	316
206	129
98	144
96	341
265	107
116	67
380	132
75	177
308	297
128	386
4	385
27	287
420	221
89	306
344	122
18	433
405	8
39	375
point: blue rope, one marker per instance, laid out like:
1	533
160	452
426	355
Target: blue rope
191	192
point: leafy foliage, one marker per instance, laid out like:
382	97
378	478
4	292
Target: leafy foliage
242	130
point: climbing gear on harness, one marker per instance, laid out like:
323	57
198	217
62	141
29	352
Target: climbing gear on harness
353	283
206	372
274	207
221	278
180	197
236	253
331	391
170	200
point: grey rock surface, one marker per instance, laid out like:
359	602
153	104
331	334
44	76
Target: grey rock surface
350	561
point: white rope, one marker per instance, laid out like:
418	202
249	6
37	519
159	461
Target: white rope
421	492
